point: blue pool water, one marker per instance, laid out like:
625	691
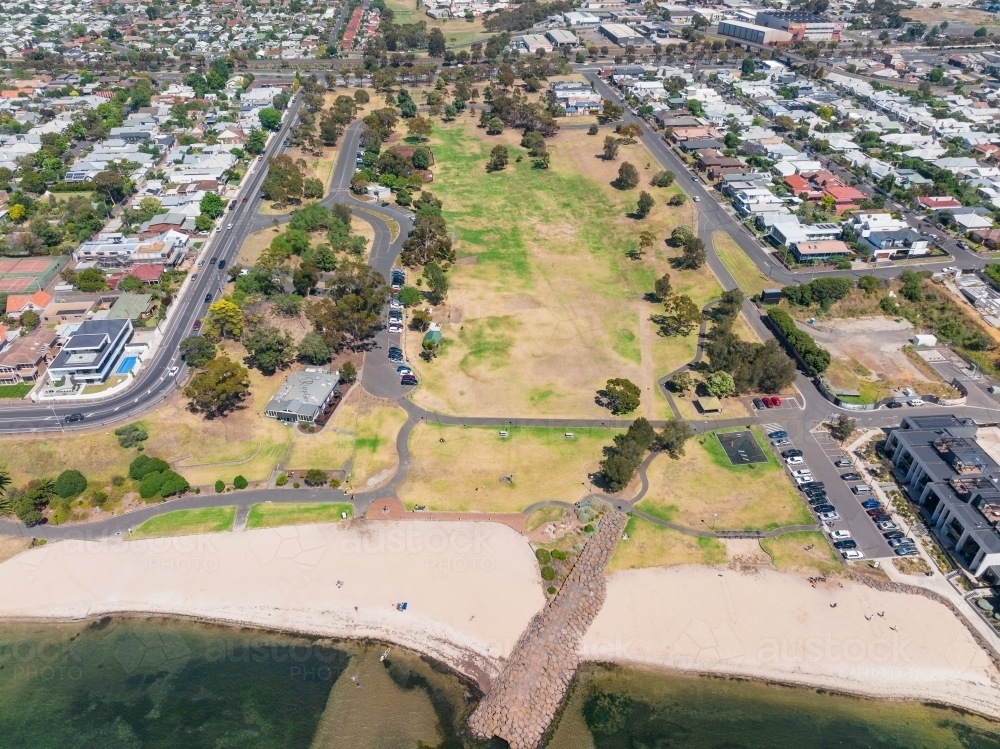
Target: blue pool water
126	365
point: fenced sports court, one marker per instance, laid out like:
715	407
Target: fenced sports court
741	447
25	275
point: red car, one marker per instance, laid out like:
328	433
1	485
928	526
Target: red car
768	403
776	401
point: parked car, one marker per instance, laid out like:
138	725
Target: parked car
888	525
827	516
894	404
871	504
408	380
889	535
905	551
851	476
197	325
402	370
812	485
795	460
775	400
845	544
245	200
758	404
807	479
824	508
781	442
201	263
395	304
74	417
822	499
895	543
768	403
843	463
881	518
839	535
794	453
915	402
802	472
852	554
395	328
780	434
861	489
873	511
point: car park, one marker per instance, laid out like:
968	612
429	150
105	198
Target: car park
895	543
74	417
852	554
843	463
851	476
781	442
905	551
758	404
827	516
780	434
839	535
793	453
845	544
795	460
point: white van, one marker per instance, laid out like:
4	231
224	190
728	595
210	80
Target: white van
861	489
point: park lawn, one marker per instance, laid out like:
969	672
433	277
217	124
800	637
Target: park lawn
187	522
651	545
545	306
459	468
19	390
64	197
788	552
272	515
742	268
458	33
540	517
702	490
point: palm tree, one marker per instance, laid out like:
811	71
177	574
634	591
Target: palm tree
6	508
4	482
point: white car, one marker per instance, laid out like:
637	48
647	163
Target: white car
827	516
395	304
395	328
802	472
229	226
201	263
852	554
887	525
915	402
781	443
840	535
807	479
697	199
173	370
795	461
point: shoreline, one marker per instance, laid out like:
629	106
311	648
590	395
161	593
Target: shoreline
472	588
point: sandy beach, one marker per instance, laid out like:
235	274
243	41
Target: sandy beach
471	588
777	627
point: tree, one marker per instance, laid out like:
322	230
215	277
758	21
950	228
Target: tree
437	283
348	372
981	32
645	204
592	130
268	349
280	101
305	278
494	126
498	159
625	456
662	287
220	387
720	384
111	186
70	483
663	179
610	152
30	319
270	118
313	349
203	222
212	205
224	320
240	481
197	350
680	382
682	315
842	428
676	199
610	111
315	477
621	396
435	42
256	140
410	296
420	127
90	280
672	437
693	255
17	212
628	177
312	188
287	305
748	67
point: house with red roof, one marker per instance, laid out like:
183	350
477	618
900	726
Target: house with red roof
799	185
18	304
844	198
147	273
938	202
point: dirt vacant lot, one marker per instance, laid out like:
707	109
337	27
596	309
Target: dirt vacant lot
546	305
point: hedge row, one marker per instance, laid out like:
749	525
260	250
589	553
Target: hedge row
817	359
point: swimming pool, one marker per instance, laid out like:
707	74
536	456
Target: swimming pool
126	364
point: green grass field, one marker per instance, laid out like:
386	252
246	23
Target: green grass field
276	514
185	522
742	268
651	545
19	390
789	552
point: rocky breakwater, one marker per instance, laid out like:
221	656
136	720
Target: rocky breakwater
526	695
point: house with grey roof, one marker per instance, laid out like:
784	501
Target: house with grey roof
303	396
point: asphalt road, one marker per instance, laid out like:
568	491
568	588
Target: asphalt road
153	384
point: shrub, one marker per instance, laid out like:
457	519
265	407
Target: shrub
315	477
70	483
817	359
551	590
543	556
282	480
150	485
334	483
560	555
144	465
240	483
548	573
131	435
173	483
295	485
117	481
588	528
99	497
220	486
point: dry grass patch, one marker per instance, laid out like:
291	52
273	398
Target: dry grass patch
742	268
254	245
911	565
805	551
704	490
11	546
538	518
361	228
460	468
651	545
551	307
